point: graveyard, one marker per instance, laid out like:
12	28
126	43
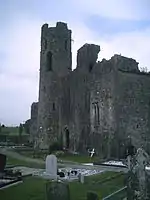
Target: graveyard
36	177
34	188
34	180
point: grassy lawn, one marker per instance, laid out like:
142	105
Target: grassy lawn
14	161
78	158
63	157
30	189
34	188
69	158
12	131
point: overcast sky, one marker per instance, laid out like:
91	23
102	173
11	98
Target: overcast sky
118	26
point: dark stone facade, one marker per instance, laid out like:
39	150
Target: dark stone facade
98	105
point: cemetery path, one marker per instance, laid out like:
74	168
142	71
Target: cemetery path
68	164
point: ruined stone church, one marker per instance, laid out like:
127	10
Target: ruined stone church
97	105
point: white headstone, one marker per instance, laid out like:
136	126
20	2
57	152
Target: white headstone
51	165
81	178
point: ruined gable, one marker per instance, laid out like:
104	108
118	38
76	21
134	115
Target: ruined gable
125	64
87	56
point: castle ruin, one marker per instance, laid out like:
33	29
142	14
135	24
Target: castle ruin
97	105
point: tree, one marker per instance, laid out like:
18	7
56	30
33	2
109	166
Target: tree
144	69
20	131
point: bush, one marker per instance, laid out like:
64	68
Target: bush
92	196
59	153
56	146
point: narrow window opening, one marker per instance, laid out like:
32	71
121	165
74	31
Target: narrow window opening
98	114
54	106
44	44
44	89
49	61
90	67
66	44
95	112
67	139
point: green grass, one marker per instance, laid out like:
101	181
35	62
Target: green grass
12	131
34	188
64	157
14	161
30	189
78	158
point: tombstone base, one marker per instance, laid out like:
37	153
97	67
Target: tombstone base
48	176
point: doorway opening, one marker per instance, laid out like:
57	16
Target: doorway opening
67	139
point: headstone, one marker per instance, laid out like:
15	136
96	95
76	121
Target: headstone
57	191
81	178
92	196
51	165
2	162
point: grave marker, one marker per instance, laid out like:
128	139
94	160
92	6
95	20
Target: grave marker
57	191
51	165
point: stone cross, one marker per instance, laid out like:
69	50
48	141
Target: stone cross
51	165
92	152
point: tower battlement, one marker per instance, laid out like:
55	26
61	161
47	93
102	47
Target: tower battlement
56	53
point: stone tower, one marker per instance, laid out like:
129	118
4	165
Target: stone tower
55	63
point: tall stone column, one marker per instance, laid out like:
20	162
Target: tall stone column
138	177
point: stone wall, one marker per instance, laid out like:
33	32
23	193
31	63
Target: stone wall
33	121
133	108
97	105
102	108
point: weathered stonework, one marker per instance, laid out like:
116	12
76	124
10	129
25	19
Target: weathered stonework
99	104
33	121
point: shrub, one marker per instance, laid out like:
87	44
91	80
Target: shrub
59	153
92	196
56	146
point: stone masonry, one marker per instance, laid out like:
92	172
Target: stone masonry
97	105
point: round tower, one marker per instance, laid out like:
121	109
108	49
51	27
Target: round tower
55	63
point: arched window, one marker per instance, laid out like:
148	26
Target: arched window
44	44
49	61
67	139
